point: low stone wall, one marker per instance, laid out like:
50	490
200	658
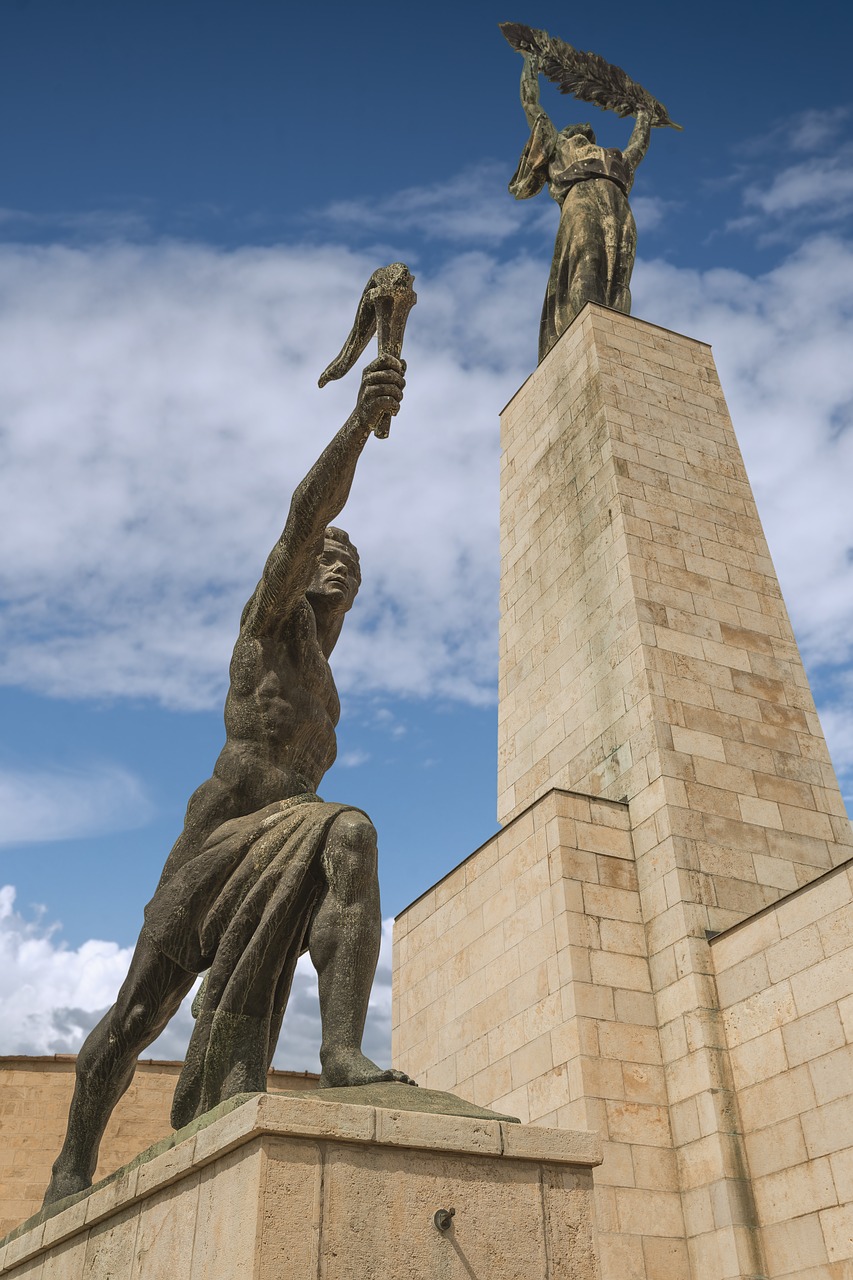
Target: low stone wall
785	982
34	1098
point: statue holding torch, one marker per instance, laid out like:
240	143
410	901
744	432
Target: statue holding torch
265	870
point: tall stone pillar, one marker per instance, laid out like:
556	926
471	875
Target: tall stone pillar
662	777
646	652
647	657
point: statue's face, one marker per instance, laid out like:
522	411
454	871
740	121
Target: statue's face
336	577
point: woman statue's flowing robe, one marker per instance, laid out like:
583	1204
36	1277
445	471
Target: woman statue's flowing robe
597	236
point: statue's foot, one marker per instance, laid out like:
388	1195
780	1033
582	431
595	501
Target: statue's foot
344	1067
65	1183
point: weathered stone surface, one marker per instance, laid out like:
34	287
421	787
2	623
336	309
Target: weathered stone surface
34	1098
401	1097
339	1204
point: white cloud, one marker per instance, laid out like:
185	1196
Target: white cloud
821	185
798	177
52	995
158	403
157	406
649	212
811	129
46	989
62	804
782	345
472	207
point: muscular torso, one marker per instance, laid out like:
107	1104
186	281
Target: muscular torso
280	717
282	707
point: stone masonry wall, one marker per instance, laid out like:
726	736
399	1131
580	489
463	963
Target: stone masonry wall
521	981
646	652
646	658
646	655
34	1098
785	982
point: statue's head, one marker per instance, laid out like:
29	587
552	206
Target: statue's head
585	130
337	576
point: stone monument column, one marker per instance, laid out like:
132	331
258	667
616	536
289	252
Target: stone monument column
647	657
662	777
646	654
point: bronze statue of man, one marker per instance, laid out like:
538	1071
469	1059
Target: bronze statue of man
597	236
263	869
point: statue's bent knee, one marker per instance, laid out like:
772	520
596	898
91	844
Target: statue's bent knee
351	849
356	831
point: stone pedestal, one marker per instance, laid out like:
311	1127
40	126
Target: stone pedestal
286	1188
662	777
646	652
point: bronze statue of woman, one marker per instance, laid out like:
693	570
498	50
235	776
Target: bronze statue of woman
597	235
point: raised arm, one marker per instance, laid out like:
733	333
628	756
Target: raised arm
321	496
530	103
638	144
532	172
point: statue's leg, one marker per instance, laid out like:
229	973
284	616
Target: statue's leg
149	997
624	255
343	941
589	280
604	242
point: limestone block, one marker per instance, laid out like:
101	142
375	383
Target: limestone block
292	1195
837	1227
110	1247
225	1198
662	770
653	564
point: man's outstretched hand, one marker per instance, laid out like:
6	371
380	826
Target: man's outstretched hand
381	390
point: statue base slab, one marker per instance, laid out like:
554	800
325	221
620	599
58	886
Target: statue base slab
275	1185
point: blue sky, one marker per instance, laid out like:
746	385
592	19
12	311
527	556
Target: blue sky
193	196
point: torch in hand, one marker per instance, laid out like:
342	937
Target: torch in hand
384	308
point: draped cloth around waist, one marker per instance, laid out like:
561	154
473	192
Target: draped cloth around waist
242	906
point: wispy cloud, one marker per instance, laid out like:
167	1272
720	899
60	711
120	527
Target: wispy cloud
782	346
472	208
650	212
815	128
84	225
821	186
807	130
798	175
386	720
63	804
